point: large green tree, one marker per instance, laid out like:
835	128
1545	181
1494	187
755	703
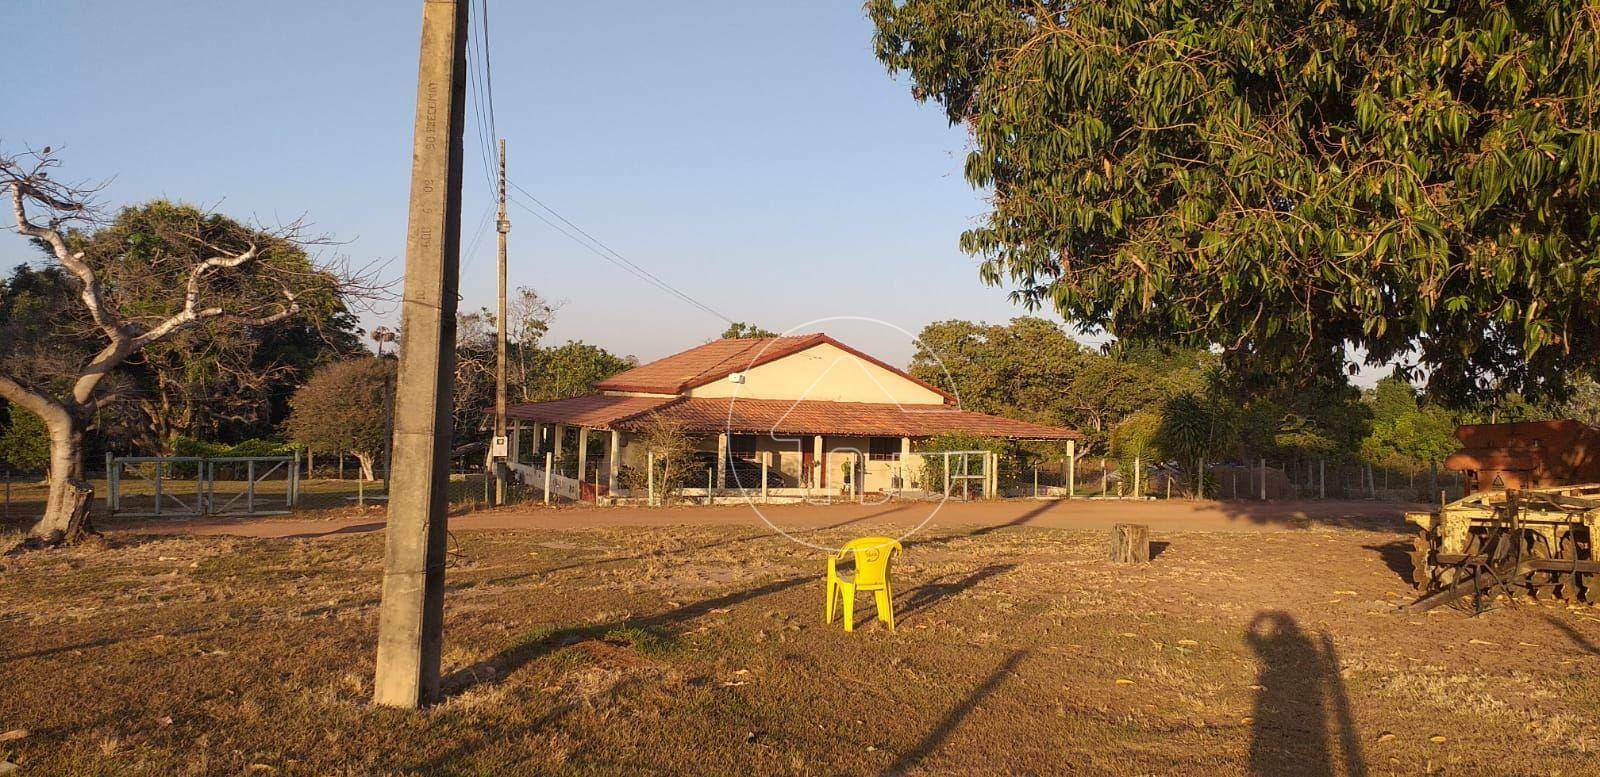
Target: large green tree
1286	178
160	278
1033	370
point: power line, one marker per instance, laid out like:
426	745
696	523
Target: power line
481	82
600	249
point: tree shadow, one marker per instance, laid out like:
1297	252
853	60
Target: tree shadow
522	653
1301	702
1021	520
1573	634
933	591
1396	556
673	551
356	528
931	741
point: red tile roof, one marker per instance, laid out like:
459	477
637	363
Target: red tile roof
844	418
763	416
596	410
716	360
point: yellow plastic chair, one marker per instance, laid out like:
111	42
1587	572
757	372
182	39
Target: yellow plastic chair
872	574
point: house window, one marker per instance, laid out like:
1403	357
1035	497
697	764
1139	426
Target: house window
742	446
883	448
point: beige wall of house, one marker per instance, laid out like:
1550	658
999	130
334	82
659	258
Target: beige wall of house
824	373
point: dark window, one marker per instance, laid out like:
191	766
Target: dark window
742	445
883	448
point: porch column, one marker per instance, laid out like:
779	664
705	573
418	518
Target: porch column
555	446
1072	468
722	460
819	466
613	461
515	442
583	451
905	463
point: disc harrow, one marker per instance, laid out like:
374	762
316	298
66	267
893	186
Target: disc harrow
1533	542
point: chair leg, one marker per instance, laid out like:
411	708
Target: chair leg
885	608
827	607
849	607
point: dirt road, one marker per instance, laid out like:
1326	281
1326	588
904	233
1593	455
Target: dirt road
899	517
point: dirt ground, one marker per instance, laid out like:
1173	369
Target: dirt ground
1262	639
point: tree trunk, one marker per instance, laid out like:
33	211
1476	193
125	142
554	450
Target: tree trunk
366	466
66	514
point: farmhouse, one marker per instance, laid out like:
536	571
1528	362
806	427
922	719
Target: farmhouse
803	412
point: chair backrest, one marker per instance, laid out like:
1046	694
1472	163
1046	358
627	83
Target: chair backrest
872	558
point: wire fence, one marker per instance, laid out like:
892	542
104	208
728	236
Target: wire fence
1262	479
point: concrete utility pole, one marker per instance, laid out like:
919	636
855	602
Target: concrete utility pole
503	226
411	617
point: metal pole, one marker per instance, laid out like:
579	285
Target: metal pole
158	488
250	486
411	616
110	503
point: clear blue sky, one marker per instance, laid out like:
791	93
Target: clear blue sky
753	154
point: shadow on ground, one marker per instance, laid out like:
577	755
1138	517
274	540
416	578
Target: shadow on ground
1302	713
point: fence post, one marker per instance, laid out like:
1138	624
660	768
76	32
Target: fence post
650	478
1035	482
1105	478
8	494
200	489
1322	478
1137	460
211	486
547	463
947	474
1263	479
766	463
294	481
250	486
158	487
710	481
361	492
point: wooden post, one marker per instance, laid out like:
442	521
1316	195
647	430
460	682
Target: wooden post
766	462
1322	478
1137	460
548	461
1105	478
1035	482
1130	543
710	481
947	474
650	478
1263	479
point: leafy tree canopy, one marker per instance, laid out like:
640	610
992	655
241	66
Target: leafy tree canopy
345	407
739	330
1286	178
1033	370
24	442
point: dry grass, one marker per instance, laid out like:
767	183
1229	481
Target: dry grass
700	651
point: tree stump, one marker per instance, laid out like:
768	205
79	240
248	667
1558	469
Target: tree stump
1130	543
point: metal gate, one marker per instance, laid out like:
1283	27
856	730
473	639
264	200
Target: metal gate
188	486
